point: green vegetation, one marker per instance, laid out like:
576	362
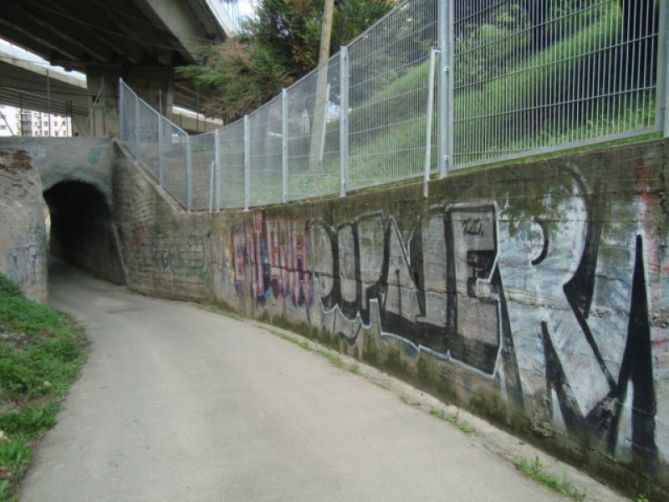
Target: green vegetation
406	400
504	104
275	48
334	359
220	307
534	469
353	368
453	418
41	352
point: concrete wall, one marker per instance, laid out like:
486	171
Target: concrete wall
536	295
75	175
22	225
61	159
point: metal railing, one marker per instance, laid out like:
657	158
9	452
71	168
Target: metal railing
435	85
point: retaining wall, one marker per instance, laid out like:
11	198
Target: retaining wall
22	225
536	295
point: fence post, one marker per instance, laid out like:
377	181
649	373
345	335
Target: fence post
247	163
284	144
324	126
189	176
217	159
121	111
445	26
428	127
663	69
343	121
212	170
137	156
161	168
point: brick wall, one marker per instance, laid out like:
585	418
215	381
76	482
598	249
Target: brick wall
165	249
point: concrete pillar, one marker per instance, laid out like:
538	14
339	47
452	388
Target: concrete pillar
103	111
154	84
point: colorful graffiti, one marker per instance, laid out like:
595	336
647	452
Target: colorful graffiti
272	256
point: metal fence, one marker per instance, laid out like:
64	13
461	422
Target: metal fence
433	86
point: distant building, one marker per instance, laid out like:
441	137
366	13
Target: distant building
10	121
42	124
14	122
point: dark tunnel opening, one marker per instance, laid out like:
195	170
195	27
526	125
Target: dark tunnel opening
82	229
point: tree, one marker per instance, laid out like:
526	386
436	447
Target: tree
275	48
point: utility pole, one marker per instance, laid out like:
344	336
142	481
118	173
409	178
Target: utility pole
318	122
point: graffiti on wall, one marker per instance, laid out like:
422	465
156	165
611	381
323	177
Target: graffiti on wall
26	264
548	302
170	254
366	267
272	256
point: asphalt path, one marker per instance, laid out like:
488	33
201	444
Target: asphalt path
178	403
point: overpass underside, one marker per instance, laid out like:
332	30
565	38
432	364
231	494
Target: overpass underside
141	41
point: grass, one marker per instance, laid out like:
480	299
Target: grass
334	359
222	309
453	418
41	351
534	469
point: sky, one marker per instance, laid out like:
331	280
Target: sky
246	7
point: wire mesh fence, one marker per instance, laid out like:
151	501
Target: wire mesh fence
499	79
550	74
231	165
128	118
265	147
148	138
313	133
174	160
203	170
388	89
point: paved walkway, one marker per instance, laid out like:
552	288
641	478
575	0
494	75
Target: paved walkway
176	403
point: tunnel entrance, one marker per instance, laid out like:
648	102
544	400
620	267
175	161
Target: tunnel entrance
82	229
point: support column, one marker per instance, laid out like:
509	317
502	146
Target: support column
103	106
153	84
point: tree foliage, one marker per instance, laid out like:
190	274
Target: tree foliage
274	49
